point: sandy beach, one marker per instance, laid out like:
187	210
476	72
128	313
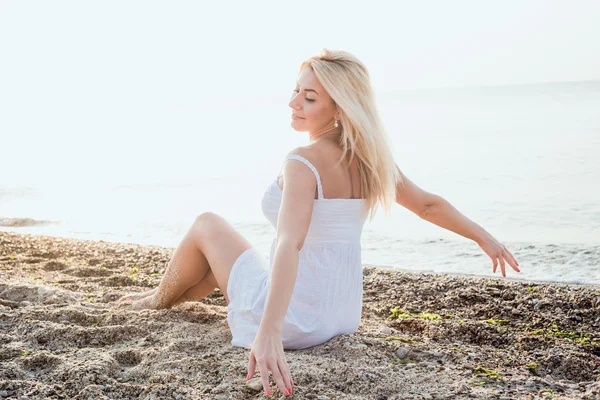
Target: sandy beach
422	335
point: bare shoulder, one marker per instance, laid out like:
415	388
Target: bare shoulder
319	156
307	152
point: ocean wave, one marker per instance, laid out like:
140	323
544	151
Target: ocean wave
21	222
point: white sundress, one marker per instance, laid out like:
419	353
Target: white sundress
327	297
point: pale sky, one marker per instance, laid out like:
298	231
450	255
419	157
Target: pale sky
78	77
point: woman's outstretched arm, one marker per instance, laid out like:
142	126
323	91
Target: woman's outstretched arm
439	211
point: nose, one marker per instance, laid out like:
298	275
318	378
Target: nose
293	103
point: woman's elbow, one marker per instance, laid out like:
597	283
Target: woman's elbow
290	243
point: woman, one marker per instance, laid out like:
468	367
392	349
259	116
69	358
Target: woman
311	290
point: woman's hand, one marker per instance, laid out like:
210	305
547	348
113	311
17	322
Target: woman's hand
267	352
498	252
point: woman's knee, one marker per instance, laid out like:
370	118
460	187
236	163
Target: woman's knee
205	218
203	224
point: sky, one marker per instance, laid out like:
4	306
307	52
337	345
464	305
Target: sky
88	88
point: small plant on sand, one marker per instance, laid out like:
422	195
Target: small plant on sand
497	321
532	366
403	361
398	313
430	316
401	339
132	273
25	353
461	321
488	373
460	350
531	288
155	275
555	331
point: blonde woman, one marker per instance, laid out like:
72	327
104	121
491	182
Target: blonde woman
310	290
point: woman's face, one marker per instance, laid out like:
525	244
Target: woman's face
312	107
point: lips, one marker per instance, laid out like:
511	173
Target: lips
294	116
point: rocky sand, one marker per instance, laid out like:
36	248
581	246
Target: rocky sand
422	335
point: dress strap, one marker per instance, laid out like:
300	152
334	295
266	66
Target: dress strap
312	167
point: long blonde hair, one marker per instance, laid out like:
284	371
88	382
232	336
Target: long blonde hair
347	81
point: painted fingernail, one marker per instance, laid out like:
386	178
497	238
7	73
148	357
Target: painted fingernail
269	393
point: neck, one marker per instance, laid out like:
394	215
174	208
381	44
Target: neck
329	130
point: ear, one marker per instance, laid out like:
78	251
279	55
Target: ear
337	114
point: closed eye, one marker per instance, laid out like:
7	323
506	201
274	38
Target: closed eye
306	98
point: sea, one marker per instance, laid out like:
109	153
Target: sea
522	161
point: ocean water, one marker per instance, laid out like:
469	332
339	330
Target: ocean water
521	161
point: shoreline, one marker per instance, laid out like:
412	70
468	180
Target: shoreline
423	335
511	274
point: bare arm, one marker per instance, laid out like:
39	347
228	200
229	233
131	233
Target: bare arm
439	211
292	226
436	209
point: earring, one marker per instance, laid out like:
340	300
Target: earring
335	123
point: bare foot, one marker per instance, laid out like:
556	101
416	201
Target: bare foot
146	303
136	296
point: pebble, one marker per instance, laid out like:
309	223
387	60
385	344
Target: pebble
3	393
322	397
402	352
427	364
255	384
427	396
386	330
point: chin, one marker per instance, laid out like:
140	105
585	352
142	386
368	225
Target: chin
297	127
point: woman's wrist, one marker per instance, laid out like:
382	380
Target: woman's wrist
481	236
269	330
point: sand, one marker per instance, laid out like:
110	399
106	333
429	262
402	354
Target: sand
422	335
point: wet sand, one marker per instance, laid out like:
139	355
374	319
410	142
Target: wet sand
422	335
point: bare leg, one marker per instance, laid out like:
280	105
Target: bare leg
198	292
187	267
212	238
